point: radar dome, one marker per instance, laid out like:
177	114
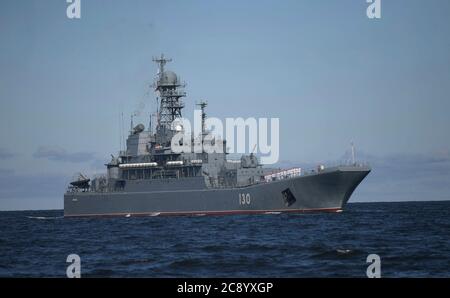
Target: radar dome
168	78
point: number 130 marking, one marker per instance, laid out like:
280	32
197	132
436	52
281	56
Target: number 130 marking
244	199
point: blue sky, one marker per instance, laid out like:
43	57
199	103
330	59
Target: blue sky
328	72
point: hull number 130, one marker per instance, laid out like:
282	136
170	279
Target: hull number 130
244	199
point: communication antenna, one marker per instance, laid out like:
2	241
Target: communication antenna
131	124
122	126
353	152
150	124
120	134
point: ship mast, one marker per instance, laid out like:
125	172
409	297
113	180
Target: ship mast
170	93
202	105
161	61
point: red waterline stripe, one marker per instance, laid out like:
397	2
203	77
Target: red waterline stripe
187	213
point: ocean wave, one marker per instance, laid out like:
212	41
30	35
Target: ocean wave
45	217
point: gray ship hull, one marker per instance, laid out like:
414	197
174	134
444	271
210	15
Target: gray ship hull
328	190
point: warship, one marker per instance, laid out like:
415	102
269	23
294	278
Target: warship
149	178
